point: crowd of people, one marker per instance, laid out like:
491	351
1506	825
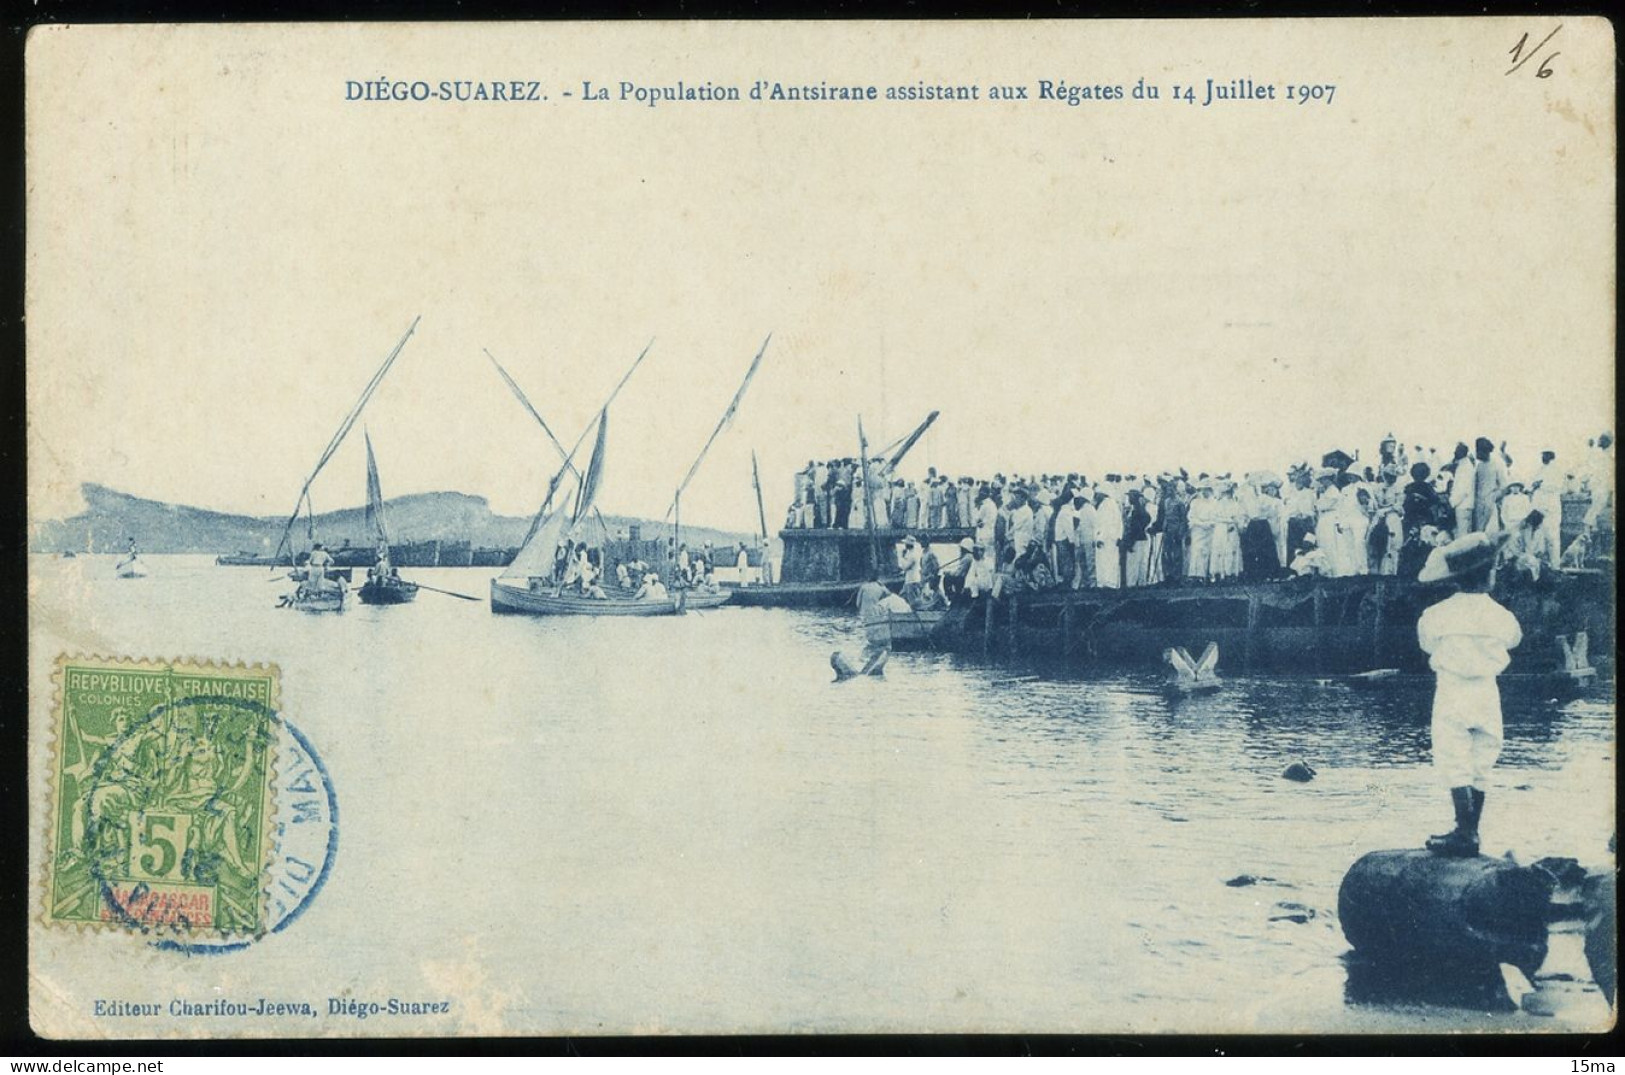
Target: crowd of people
1340	518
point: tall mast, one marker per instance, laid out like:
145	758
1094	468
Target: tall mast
339	435
868	497
676	529
756	478
727	416
567	456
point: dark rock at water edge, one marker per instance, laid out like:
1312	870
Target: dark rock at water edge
1598	893
1565	872
1410	909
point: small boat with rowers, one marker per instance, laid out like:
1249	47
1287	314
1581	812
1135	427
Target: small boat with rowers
330	595
384	585
323	586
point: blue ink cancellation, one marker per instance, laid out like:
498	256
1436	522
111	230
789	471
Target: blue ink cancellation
306	828
217	735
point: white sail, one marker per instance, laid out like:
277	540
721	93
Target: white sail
593	480
376	526
535	557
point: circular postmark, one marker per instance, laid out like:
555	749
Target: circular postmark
209	823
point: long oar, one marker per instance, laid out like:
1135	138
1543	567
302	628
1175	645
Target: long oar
448	593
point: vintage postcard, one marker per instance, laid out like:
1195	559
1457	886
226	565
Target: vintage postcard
676	528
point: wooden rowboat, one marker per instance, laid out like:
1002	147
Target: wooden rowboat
387	592
526	586
512	597
909	630
328	599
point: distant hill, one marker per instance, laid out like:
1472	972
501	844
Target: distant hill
111	518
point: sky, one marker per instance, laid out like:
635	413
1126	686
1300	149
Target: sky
221	250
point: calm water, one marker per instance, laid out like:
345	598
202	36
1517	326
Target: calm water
615	825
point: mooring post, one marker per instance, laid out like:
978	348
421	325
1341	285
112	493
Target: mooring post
987	628
1376	626
1014	607
1252	630
1067	605
1320	629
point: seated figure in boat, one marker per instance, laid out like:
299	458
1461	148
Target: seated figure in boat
708	578
875	606
652	589
570	577
956	575
585	574
931	579
380	573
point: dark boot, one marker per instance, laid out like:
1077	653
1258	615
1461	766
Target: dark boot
1462	841
1476	798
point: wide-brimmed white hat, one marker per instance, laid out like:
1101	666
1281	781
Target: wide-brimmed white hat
1468	553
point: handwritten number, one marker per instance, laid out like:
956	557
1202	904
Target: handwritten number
1520	57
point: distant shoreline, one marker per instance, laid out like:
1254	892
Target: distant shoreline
111	518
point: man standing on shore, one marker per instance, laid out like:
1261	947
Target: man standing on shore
1463	483
1466	638
1547	498
1083	507
1066	534
1108	541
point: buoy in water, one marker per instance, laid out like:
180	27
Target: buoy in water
1300	771
1191	675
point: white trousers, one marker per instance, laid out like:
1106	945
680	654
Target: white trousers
1466	730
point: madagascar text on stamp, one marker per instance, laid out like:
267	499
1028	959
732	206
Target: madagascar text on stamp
161	807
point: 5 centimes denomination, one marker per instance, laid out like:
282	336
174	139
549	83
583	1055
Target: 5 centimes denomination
162	803
304	836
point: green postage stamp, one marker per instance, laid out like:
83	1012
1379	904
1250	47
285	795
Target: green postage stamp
161	804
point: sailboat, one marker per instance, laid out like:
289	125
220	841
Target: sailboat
529	586
384	586
325	589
